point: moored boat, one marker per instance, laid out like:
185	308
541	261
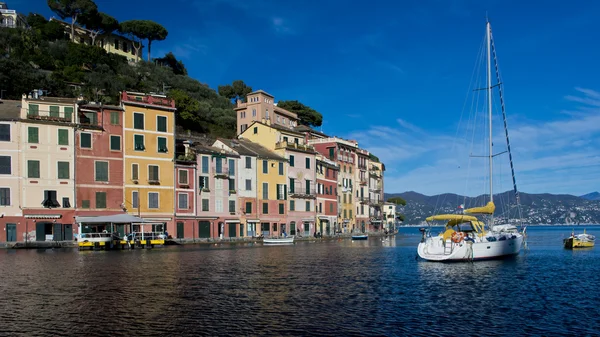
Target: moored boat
279	240
360	237
579	241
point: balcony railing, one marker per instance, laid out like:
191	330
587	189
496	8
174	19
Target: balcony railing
88	119
149	100
303	193
363	182
291	145
54	116
221	172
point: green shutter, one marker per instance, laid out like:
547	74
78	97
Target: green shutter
101	171
63	170
85	204
139	142
281	209
33	169
85	141
69	113
292	161
54	111
100	199
33	135
248	207
292	205
115	143
162	144
34	110
114	118
63	137
161	124
138	121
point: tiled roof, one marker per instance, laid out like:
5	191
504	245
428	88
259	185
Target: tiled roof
10	110
261	92
253	149
304	128
62	100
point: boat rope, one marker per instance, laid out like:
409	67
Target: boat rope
503	108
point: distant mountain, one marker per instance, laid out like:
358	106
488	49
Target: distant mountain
536	208
591	196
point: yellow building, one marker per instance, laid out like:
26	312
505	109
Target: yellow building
149	145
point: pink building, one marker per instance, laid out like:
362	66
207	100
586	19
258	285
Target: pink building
186	190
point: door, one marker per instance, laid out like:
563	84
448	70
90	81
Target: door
11	232
204	229
58	232
232	229
241	230
321	227
265	229
251	229
306	229
180	230
68	235
40	231
292	228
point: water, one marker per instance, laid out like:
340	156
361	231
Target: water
325	288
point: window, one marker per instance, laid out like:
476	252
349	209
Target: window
232	184
63	137
320	207
253	112
66	203
135	202
265	208
308	206
161	123
255	130
219	205
205	205
307	163
69	113
292	205
203	182
265	167
85	204
54	111
34	110
345	215
281	208
183	200
204	164
218	165
281	192
63	170
307	186
4	196
114	118
33	135
292	183
138	142
331	208
152	172
138	121
231	206
116	44
100	199
135	171
265	191
248	162
101	171
183	177
33	169
85	140
248	207
162	145
4	133
350	169
280	169
248	185
291	161
115	143
350	212
332	153
274	227
153	200
5	164
231	167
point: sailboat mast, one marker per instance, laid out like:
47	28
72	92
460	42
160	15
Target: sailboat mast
489	85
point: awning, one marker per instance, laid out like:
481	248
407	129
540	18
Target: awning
253	220
157	219
232	220
117	218
43	216
308	220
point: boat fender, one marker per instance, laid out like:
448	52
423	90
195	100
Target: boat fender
457	237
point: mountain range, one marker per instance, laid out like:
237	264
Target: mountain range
535	208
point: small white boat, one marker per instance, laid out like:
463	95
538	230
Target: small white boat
279	240
360	237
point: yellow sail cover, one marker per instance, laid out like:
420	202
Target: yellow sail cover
487	209
453	219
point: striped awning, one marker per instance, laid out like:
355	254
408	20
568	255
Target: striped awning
43	216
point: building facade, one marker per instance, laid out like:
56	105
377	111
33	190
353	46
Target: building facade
327	203
148	147
377	219
12	224
186	190
261	107
9	18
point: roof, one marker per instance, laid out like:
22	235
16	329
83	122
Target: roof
261	92
10	110
208	149
305	128
257	150
94	105
61	100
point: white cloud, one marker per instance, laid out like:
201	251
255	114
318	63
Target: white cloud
554	156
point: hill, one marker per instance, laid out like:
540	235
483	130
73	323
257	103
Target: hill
591	196
536	208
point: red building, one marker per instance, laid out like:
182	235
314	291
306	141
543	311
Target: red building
327	201
99	161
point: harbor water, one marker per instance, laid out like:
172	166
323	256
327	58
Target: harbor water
329	287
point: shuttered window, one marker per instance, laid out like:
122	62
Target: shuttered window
33	169
101	168
33	135
63	137
63	170
100	199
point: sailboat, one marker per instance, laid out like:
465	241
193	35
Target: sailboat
466	237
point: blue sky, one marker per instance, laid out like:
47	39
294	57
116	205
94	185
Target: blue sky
394	75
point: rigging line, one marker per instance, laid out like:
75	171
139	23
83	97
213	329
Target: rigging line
512	168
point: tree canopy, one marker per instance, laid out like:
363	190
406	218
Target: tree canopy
169	60
397	201
72	9
306	115
99	23
237	90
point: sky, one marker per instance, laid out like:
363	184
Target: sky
395	75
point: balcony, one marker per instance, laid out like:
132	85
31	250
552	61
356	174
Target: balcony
53	116
221	172
303	193
89	119
375	174
293	146
147	99
363	182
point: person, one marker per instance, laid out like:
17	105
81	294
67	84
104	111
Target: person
284	234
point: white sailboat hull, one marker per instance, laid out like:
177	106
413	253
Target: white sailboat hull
434	249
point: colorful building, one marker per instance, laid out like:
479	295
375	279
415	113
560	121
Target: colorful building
217	205
376	216
9	18
261	107
12	224
47	159
362	201
99	161
327	199
149	146
186	190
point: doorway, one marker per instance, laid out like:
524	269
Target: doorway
11	232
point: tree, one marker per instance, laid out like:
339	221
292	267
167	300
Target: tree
187	108
306	115
154	32
397	201
170	61
72	9
134	29
237	90
100	24
144	30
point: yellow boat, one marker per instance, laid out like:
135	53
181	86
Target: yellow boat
579	240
